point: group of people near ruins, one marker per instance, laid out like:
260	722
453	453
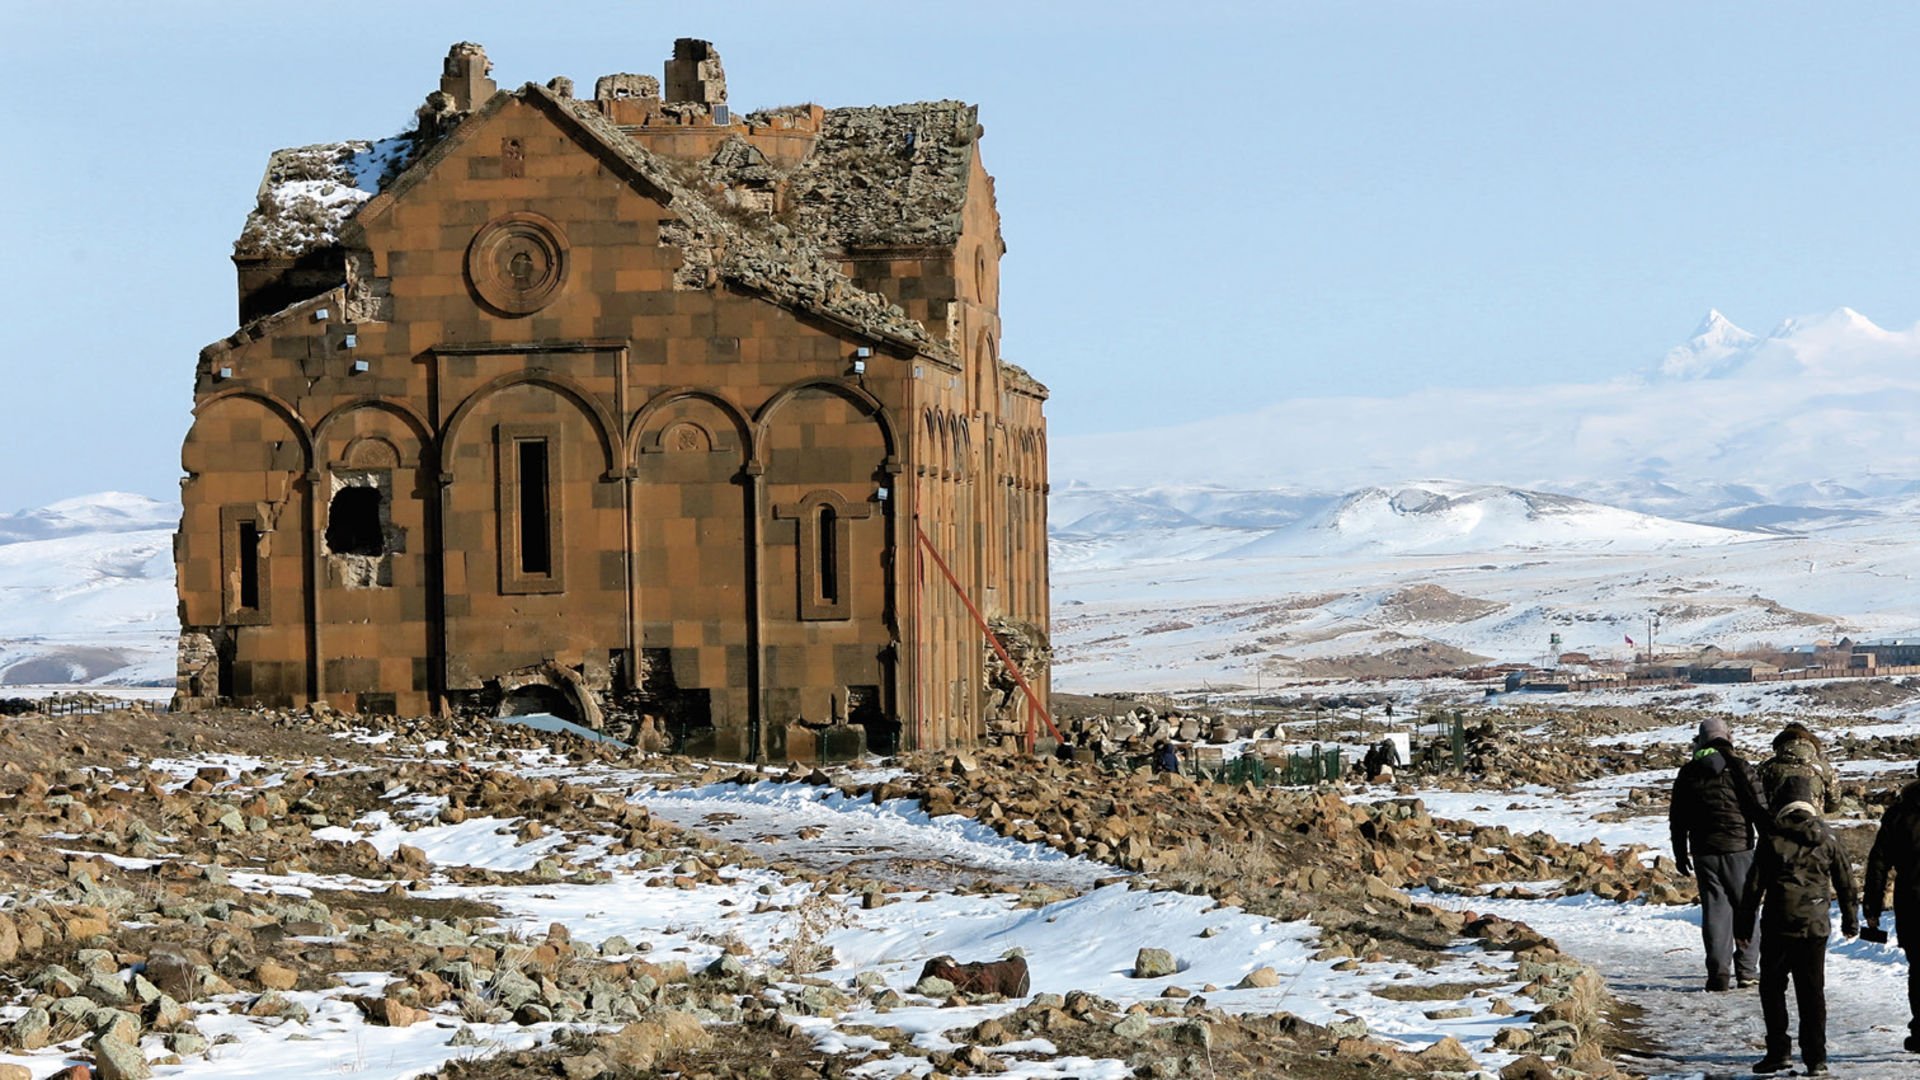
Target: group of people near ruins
1769	870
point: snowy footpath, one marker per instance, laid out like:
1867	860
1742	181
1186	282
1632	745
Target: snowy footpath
1651	957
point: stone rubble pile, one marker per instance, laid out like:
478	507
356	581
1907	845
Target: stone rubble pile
130	927
1296	854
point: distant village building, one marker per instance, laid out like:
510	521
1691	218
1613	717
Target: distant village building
628	408
1733	671
1888	652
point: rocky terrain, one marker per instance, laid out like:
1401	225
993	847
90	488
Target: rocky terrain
227	894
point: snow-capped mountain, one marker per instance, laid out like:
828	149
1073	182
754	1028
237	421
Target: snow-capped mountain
1435	517
1710	350
106	512
1748	489
1819	399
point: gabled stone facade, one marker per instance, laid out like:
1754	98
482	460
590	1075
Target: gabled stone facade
630	409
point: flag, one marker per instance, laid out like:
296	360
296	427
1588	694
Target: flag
1629	638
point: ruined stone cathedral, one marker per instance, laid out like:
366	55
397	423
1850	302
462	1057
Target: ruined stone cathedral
628	408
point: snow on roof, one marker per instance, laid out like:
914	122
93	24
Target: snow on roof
309	191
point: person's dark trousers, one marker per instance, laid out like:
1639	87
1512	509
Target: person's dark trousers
1804	960
1721	877
1913	994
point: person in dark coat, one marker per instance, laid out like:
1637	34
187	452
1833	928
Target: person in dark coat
1713	818
1166	758
1896	851
1797	871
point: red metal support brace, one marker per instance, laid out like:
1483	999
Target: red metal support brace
1013	669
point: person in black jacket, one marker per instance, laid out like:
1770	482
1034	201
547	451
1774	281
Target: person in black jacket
1792	871
1715	812
1896	851
1166	759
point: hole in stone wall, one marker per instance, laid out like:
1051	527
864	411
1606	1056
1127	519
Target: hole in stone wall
361	538
353	522
685	714
863	708
537	698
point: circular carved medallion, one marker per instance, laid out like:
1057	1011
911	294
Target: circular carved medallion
517	263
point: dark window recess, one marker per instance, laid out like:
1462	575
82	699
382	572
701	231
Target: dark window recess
375	704
827	552
353	522
223	651
249	565
536	550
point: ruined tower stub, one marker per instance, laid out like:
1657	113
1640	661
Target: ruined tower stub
694	74
464	76
625	85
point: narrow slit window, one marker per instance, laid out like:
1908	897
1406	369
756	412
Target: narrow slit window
249	566
536	549
827	552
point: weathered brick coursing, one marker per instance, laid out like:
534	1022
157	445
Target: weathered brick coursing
748	399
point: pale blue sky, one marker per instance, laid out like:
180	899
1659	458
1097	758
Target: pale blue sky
1208	206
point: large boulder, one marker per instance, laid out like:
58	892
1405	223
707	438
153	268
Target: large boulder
117	1060
638	1046
1005	978
1154	964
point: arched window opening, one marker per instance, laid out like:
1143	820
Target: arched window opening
823	527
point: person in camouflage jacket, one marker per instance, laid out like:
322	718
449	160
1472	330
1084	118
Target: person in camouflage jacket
1796	752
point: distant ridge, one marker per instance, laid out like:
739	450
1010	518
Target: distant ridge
107	511
1824	398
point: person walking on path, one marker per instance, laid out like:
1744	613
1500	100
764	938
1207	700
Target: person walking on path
1713	818
1797	871
1896	851
1796	752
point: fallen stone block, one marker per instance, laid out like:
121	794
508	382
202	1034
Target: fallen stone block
1005	978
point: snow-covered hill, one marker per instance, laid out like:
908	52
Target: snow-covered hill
1746	489
1726	417
1440	517
106	512
86	592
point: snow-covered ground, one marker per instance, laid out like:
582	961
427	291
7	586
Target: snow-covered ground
1651	956
895	840
1075	936
1240	620
86	592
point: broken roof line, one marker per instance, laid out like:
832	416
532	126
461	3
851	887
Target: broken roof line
769	260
